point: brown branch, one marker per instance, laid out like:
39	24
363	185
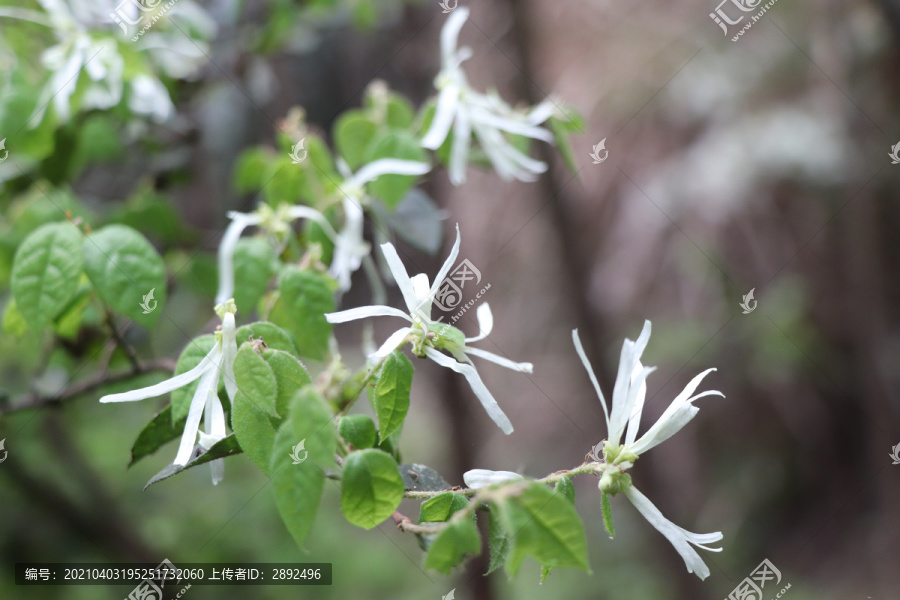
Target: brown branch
120	342
404	523
36	401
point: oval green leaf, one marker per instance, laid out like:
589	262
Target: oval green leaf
127	272
45	272
371	487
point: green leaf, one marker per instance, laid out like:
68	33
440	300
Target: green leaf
358	430
298	487
420	478
285	183
290	375
13	322
561	135
254	431
441	507
371	487
542	524
45	272
451	545
275	337
125	268
249	170
155	434
353	132
227	446
255	379
253	258
498	542
400	113
190	357
607	515
392	393
397	144
564	486
303	299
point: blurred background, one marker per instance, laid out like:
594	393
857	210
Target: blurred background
759	164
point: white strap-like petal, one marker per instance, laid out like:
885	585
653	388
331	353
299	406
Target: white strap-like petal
450	33
510	125
491	142
479	478
523	367
448	264
670	423
164	387
672	418
239	222
459	151
392	343
217	470
587	367
540	113
685	395
675	534
641	344
398	270
229	353
214	417
364	312
523	162
25	15
485	323
620	411
481	392
422	291
306	212
388	166
208	382
444	113
637	392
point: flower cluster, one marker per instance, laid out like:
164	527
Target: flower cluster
467	111
618	455
429	337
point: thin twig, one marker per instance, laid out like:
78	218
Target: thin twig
120	342
36	401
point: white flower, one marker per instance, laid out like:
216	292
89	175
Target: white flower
219	362
488	116
83	29
350	248
275	222
430	337
479	478
627	405
150	97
